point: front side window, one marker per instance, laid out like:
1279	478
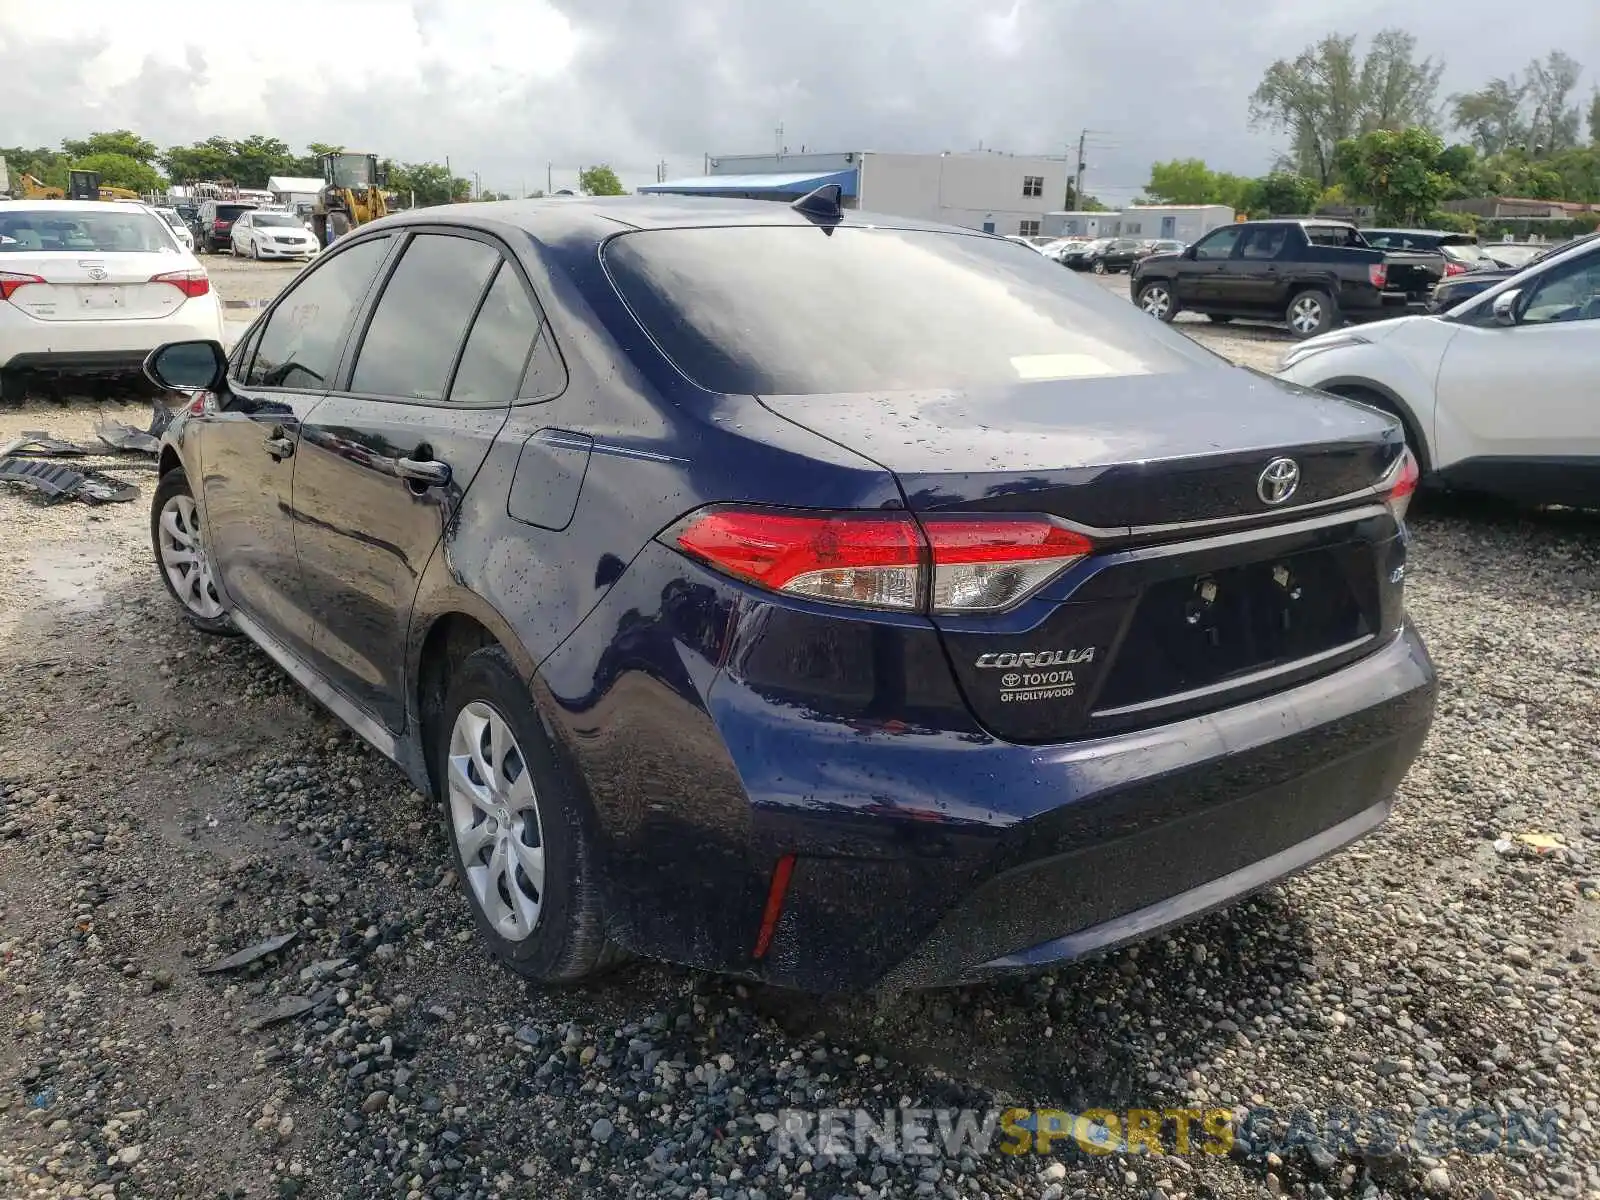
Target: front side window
304	334
1217	245
416	330
1570	292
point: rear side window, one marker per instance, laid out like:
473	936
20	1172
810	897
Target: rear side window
417	327
498	346
1334	235
301	341
796	310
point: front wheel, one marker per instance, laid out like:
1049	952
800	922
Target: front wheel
1311	312
1157	300
1099	267
518	827
181	556
255	249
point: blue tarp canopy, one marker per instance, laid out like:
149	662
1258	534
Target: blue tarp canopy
769	185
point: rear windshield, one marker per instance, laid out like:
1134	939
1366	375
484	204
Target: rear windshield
276	221
101	232
798	310
229	212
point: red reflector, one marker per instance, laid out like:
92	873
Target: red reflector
10	281
776	892
1404	486
190	283
1378	273
219	226
855	558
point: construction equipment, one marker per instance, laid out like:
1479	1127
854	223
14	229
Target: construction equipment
83	185
31	187
351	194
116	193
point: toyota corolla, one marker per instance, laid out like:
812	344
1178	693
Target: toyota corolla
834	600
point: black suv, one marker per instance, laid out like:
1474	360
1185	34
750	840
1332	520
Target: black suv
213	224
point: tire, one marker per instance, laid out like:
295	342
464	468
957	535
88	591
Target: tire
550	930
13	389
1157	300
340	224
175	529
1099	267
1311	312
1218	318
255	250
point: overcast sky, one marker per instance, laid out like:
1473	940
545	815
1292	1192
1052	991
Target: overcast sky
504	87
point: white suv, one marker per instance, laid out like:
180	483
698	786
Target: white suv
1499	393
88	288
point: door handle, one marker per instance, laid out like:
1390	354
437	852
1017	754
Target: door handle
429	472
279	447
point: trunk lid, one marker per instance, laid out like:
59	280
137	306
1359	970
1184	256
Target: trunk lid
1111	453
93	286
1198	593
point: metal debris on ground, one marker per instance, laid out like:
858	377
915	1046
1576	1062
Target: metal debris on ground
62	483
126	439
35	443
243	958
289	1008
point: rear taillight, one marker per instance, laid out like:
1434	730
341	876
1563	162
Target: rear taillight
1378	274
1402	485
10	281
190	283
1454	268
219	226
946	563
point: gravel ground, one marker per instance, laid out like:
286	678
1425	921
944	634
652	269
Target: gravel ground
168	799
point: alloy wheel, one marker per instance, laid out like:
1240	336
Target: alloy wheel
1306	315
1156	301
1099	267
495	816
184	558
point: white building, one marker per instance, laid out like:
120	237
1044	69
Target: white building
291	192
1183	222
1083	223
997	193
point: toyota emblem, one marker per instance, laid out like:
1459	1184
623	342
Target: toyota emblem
97	273
1278	481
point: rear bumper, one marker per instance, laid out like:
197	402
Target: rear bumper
1071	849
113	347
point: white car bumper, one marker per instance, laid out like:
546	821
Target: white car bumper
105	347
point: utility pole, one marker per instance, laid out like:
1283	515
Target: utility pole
549	176
1077	185
779	138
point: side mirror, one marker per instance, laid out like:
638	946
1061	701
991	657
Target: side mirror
188	366
1188	252
1505	307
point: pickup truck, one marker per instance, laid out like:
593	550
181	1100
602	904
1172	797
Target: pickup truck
1310	274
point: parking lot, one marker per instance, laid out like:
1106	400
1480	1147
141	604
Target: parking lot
167	799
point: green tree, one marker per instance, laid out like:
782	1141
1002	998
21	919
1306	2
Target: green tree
44	164
210	159
118	170
1281	194
1492	115
600	181
1327	94
1190	181
1553	125
431	183
1397	171
309	164
118	141
257	158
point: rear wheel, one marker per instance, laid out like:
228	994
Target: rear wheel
1099	267
1157	300
181	556
1218	318
13	389
1310	313
518	828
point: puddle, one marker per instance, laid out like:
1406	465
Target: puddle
69	581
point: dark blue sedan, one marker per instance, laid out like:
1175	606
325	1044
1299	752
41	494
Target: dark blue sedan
829	599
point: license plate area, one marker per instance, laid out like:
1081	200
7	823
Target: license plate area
100	296
1198	631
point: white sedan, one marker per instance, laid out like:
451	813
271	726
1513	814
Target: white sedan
175	222
88	288
263	234
1498	394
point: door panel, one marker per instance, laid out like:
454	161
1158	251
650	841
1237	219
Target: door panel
421	391
1199	278
249	447
1254	280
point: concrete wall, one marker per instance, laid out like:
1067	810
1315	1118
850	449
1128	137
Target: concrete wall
961	189
1189	222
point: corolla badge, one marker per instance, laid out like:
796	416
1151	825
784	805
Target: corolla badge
1278	480
1036	659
